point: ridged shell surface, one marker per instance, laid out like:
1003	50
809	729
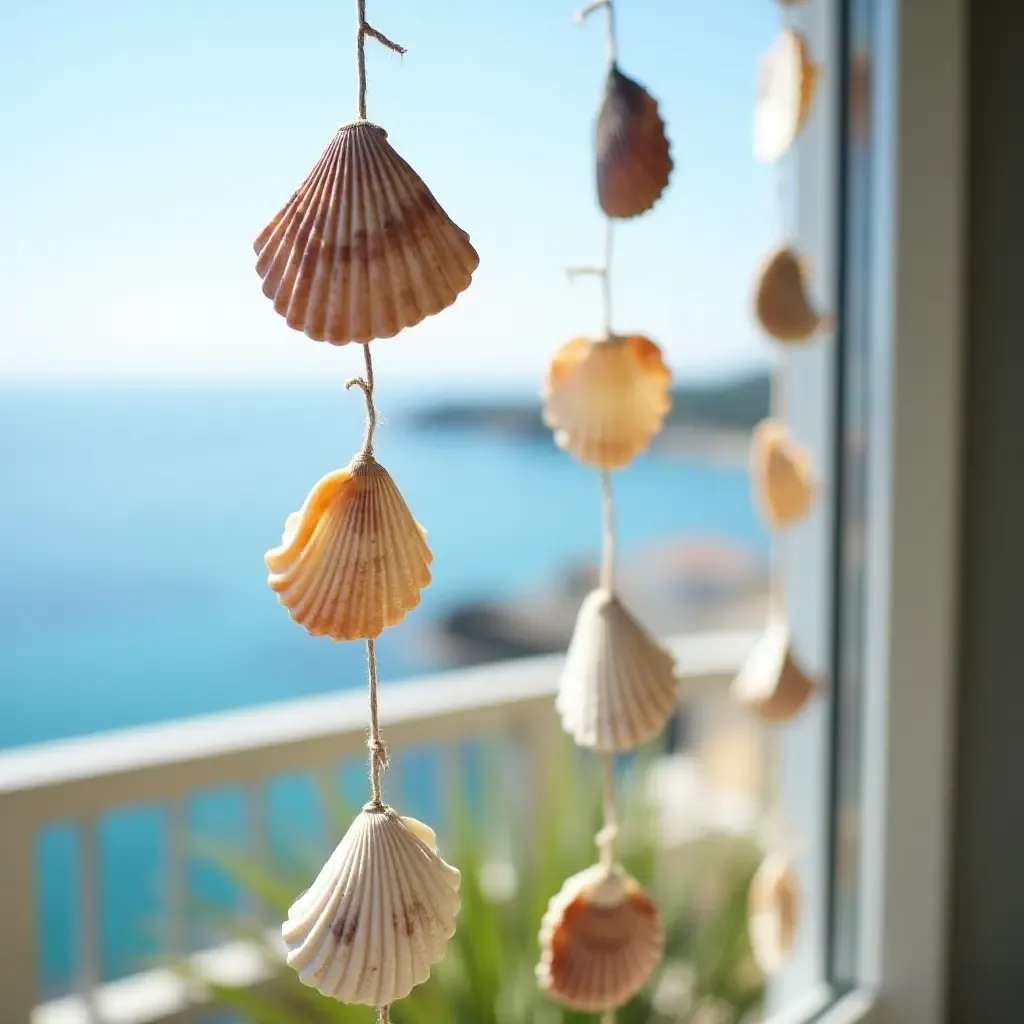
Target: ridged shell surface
362	249
601	940
785	94
618	685
379	914
771	682
773	912
633	162
782	301
353	560
782	475
606	400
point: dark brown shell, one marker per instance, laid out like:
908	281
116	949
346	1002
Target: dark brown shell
362	249
633	161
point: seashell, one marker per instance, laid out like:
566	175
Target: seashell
618	686
362	249
781	301
783	479
352	561
606	400
379	914
771	683
601	940
785	93
773	909
633	162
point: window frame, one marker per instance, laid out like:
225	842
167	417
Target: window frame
865	775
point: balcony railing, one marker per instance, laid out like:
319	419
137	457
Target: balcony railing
79	781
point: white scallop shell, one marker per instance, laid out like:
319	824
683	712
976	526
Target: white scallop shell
362	249
782	475
773	912
601	940
782	301
379	914
606	400
786	91
352	561
618	685
771	683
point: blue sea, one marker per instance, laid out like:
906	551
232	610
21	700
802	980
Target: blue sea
133	587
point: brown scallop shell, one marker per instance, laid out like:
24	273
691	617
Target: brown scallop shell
771	683
618	686
606	400
362	249
353	560
782	475
785	94
601	940
633	161
782	301
773	908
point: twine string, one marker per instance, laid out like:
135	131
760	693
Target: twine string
608	532
378	752
602	271
583	13
384	1014
605	839
362	32
365	384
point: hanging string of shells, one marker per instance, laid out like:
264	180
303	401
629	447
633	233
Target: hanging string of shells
605	399
772	683
361	251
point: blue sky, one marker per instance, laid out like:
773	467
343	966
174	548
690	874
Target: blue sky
145	143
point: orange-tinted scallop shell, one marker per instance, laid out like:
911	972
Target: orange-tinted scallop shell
601	941
353	560
771	682
786	91
773	907
782	475
606	400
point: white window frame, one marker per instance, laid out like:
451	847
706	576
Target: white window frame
911	293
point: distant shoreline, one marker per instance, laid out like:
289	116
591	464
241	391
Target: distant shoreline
710	422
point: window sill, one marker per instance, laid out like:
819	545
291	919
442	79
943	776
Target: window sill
825	1007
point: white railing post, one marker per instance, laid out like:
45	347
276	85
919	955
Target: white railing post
89	972
17	898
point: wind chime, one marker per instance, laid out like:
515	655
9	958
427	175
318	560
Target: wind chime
772	683
606	398
361	251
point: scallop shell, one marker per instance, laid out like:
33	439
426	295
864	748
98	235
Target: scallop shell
601	940
379	914
618	686
362	249
353	560
773	907
786	91
782	476
606	400
633	162
771	683
782	302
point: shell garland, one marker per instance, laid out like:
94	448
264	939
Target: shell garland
772	682
605	400
363	250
